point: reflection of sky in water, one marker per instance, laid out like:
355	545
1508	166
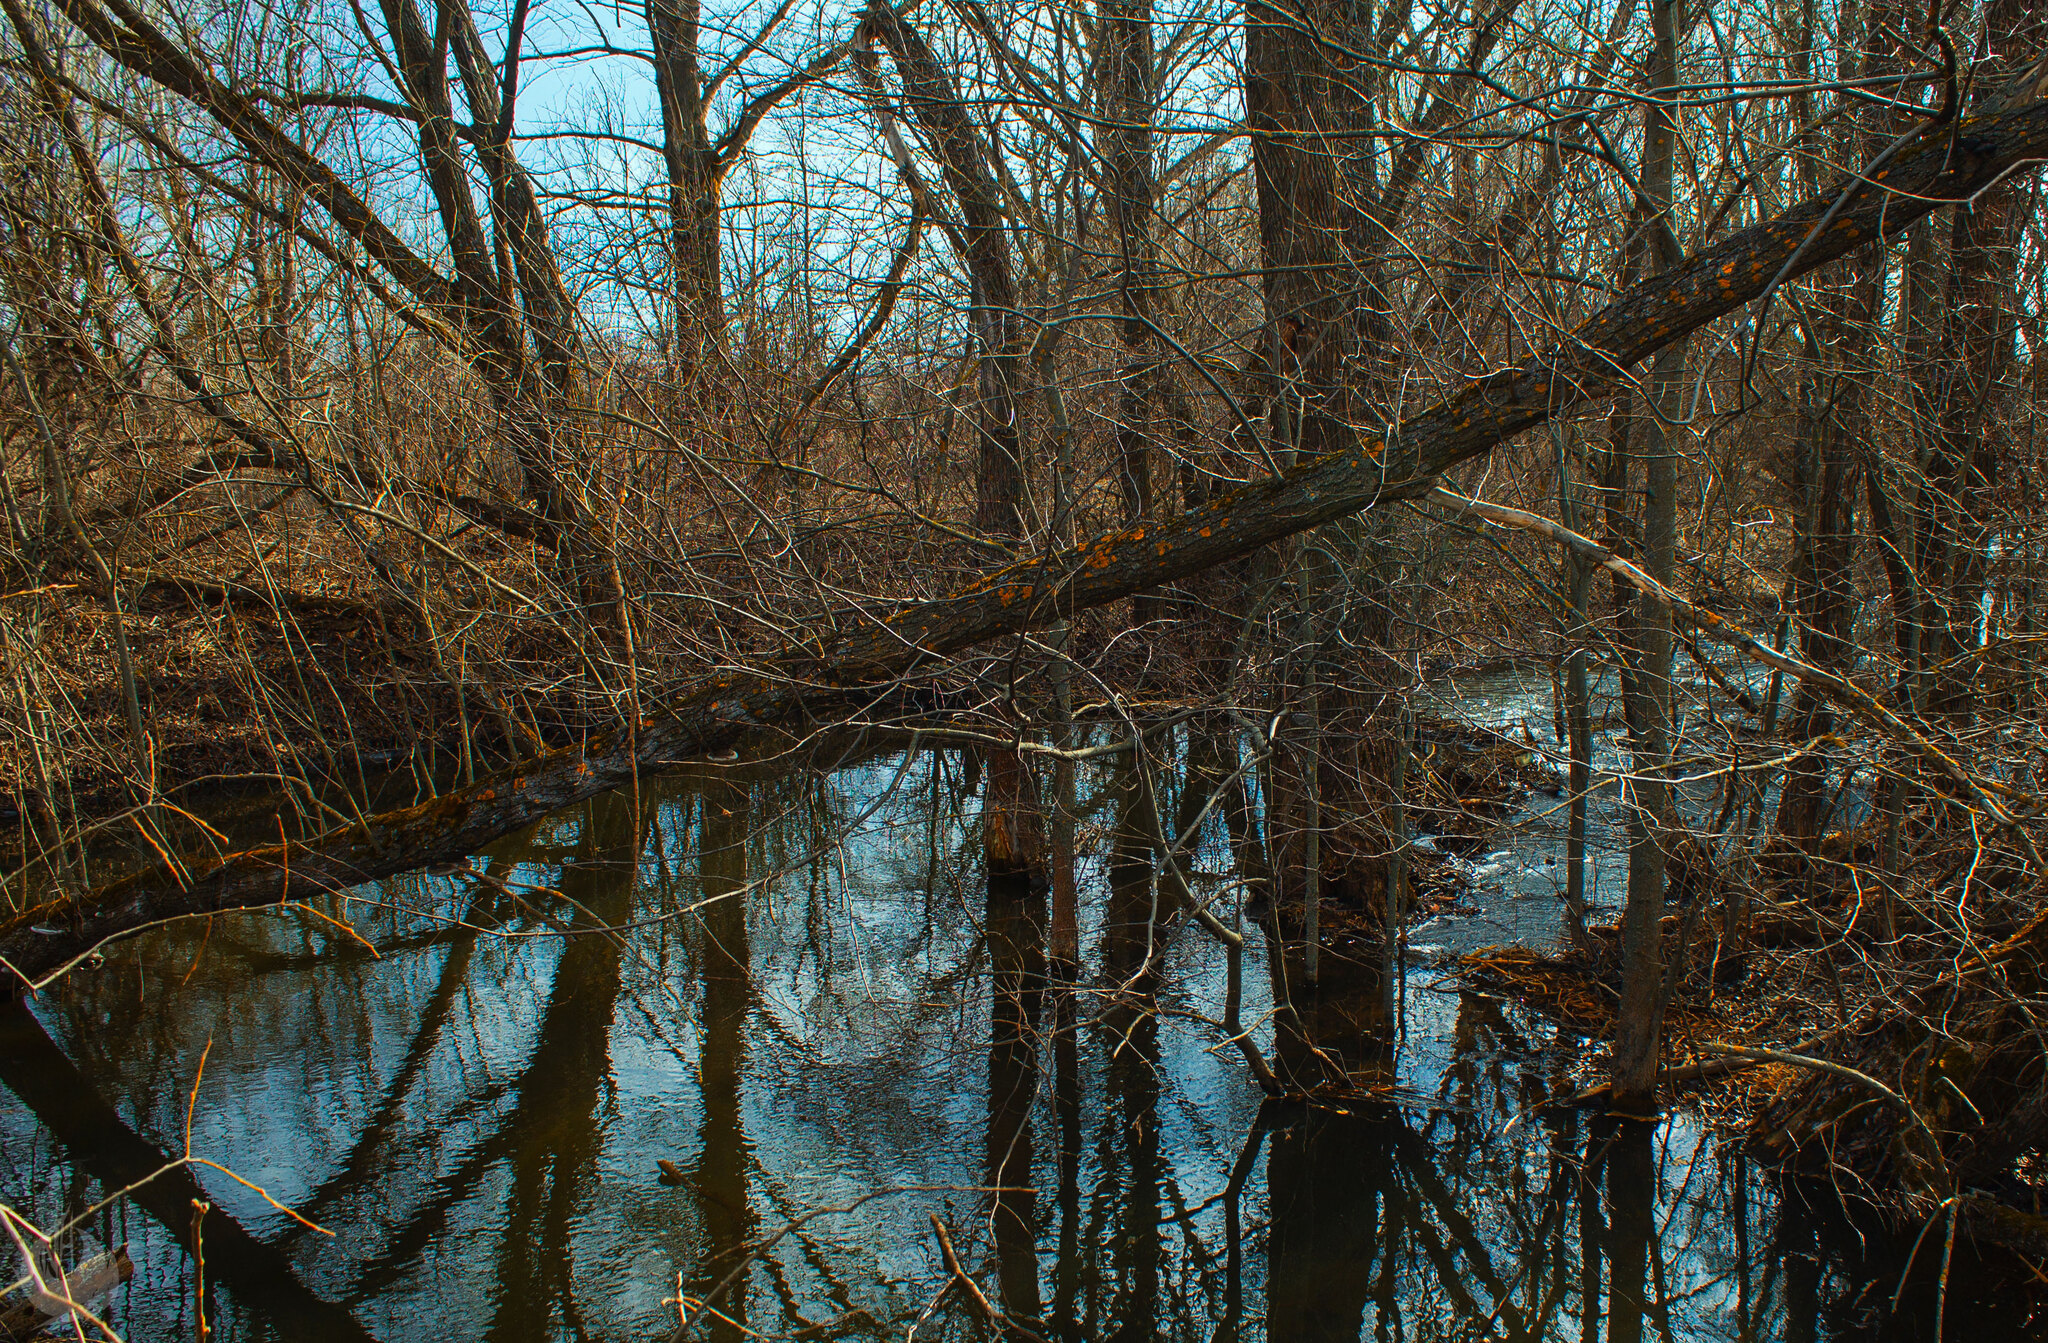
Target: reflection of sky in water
477	1117
1518	875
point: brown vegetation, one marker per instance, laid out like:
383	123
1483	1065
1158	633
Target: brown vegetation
354	425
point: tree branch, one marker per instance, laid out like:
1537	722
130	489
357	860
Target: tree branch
1947	167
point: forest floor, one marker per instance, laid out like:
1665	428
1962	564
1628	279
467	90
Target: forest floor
227	692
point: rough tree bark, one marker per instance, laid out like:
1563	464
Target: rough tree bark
1519	217
484	295
1951	551
1308	110
1305	215
1826	475
1330	214
549	312
1953	165
1125	142
694	176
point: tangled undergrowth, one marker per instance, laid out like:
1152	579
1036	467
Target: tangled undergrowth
1884	1035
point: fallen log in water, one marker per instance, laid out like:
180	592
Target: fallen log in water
1951	163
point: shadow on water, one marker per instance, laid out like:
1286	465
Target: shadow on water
712	1061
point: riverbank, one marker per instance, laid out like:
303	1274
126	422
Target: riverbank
1833	1047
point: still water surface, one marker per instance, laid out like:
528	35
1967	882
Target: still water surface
720	1056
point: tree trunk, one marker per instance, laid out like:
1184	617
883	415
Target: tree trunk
1832	430
1013	839
1012	823
1145	398
1289	85
1962	475
1125	143
1578	728
483	290
1834	424
1639	1020
522	231
1312	186
933	100
698	298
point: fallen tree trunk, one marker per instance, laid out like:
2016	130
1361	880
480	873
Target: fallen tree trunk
1952	163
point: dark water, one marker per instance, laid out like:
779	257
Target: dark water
796	987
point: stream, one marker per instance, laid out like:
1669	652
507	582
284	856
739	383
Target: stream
720	1058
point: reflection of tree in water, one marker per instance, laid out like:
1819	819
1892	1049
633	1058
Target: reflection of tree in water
551	1143
1425	1223
100	1143
1130	1035
375	1146
1437	1224
1470	1211
1016	940
547	1136
725	1212
1631	1164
